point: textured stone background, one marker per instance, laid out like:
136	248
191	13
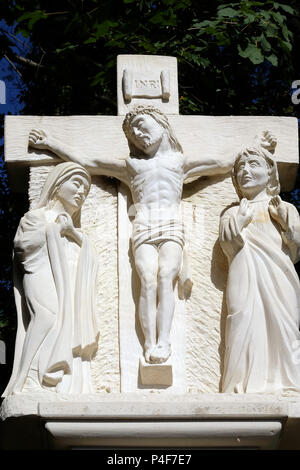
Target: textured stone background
206	310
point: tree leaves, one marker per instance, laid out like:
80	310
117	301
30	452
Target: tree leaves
209	36
266	45
227	12
103	28
31	17
286	8
273	60
255	28
253	53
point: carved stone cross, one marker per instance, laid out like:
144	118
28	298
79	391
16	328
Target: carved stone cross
197	330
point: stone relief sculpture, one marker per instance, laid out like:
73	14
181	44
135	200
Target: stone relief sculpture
154	171
55	276
261	238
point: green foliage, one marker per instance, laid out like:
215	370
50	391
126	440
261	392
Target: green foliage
245	24
218	46
31	17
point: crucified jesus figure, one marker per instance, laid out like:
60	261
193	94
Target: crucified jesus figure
155	172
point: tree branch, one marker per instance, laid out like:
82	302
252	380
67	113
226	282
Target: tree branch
13	66
17	39
24	60
57	13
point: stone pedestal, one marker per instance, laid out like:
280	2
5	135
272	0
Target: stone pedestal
133	421
156	374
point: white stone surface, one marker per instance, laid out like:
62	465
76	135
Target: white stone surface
197	333
156	374
99	223
212	136
261	239
131	336
203	326
204	329
213	408
187	410
145	79
153	405
186	434
57	330
154	172
203	202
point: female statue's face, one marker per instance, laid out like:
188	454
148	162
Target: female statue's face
72	192
252	174
146	133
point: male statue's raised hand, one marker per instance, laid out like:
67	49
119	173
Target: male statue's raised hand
279	212
245	214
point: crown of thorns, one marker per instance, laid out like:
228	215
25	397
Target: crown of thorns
140	109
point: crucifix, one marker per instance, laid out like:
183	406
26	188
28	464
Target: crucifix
154	172
166	151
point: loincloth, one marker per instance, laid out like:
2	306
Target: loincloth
157	234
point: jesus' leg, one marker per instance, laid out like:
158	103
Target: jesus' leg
146	261
170	257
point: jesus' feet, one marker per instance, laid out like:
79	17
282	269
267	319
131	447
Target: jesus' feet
148	350
160	353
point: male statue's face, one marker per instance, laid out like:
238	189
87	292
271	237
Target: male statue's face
252	173
146	133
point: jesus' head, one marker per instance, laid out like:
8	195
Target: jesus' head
145	127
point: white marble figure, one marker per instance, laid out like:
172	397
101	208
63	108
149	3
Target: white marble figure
55	279
261	238
154	171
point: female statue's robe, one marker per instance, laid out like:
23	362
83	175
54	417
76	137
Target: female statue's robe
262	338
55	283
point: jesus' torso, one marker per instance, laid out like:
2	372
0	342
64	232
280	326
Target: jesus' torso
156	186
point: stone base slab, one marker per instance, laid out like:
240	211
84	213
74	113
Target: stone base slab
198	421
156	374
183	434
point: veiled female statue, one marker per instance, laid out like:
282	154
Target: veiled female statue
55	279
261	238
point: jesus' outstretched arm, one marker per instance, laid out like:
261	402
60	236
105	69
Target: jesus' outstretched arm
96	166
202	166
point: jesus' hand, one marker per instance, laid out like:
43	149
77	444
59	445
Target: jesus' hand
38	139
